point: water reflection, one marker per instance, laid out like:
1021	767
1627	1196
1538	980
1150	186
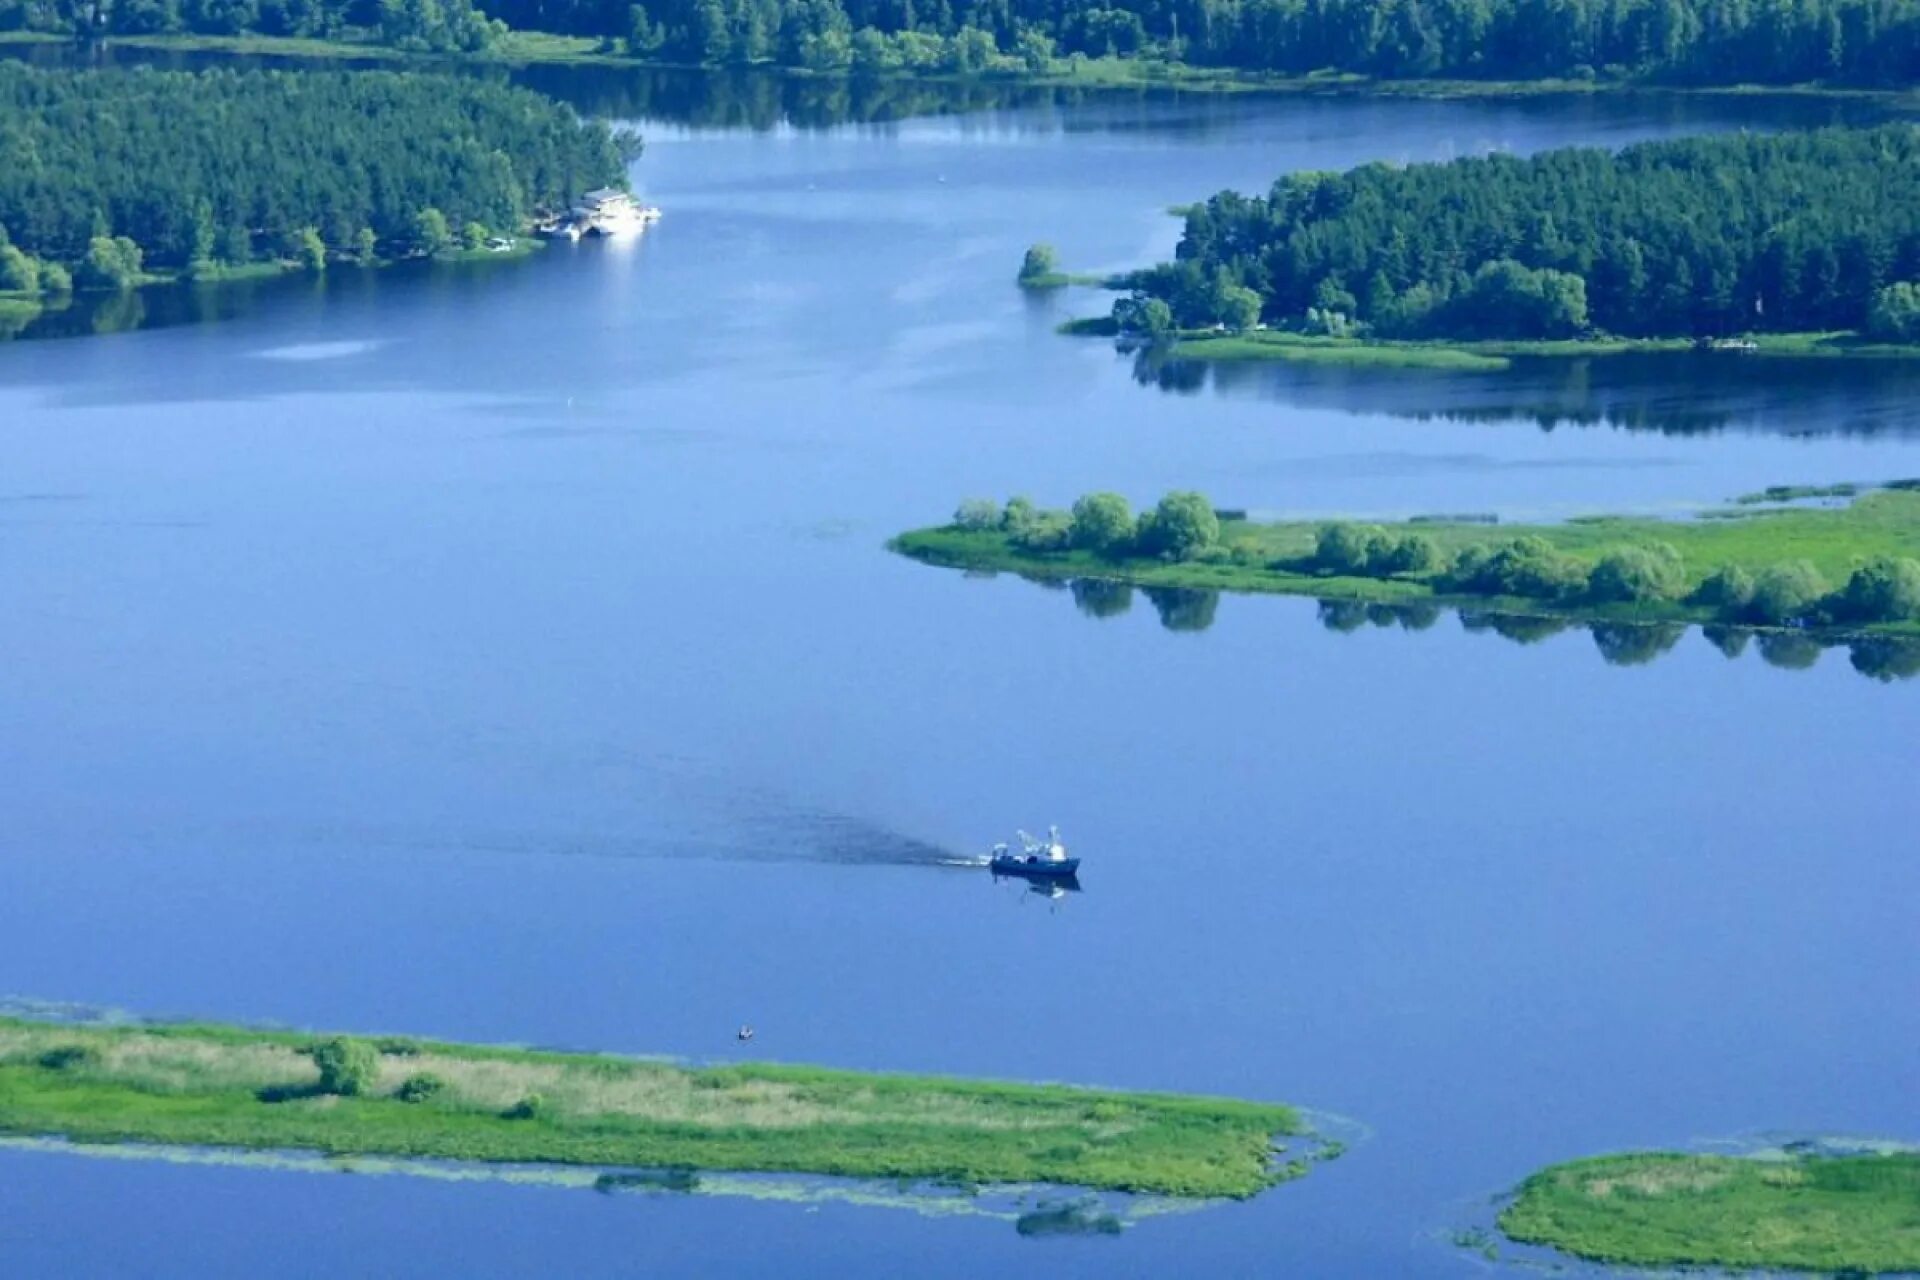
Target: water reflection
1681	393
1620	644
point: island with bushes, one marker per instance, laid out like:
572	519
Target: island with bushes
1802	243
1836	571
1846	1214
225	1086
114	179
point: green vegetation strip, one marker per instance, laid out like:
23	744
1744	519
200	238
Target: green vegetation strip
1843	570
1854	1214
206	1085
1494	356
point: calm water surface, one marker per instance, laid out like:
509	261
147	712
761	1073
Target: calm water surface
512	654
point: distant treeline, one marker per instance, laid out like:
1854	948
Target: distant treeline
438	26
217	167
1704	236
1700	41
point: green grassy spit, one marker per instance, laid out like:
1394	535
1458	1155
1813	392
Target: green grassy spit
1495	356
207	1085
1856	1214
1288	557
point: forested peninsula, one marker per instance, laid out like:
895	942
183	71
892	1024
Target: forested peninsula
1803	233
1851	569
1844	1214
109	179
223	1086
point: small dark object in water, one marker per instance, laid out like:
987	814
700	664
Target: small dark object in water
1084	1217
744	1034
675	1179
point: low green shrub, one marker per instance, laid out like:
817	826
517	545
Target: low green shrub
424	1087
532	1107
347	1066
69	1057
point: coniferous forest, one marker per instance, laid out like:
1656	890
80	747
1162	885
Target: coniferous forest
1805	231
1849	42
222	166
419	26
1698	41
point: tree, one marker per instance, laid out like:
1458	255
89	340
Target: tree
1102	522
1019	515
1784	592
1035	51
1180	527
1040	266
112	262
1150	317
977	514
1527	566
1345	548
1408	553
55	278
1895	316
365	246
1634	575
19	273
348	1066
309	250
473	236
1239	308
1728	589
430	233
1885	590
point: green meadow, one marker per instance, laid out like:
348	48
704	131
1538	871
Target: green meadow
1854	1214
221	1086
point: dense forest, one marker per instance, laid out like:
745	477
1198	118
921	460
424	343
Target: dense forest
1855	42
1704	236
189	169
437	26
1698	41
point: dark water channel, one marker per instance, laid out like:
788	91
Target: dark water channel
512	654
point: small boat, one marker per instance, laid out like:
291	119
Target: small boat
1037	860
610	212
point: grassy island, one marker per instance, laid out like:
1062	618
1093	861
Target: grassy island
223	1086
1764	561
1853	1214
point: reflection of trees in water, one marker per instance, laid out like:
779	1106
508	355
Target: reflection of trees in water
1521	628
1731	641
764	100
1672	394
1630	644
1886	657
1102	597
117	312
1183	608
1789	650
1621	644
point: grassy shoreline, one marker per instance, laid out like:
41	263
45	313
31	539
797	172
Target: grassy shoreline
1851	1214
529	47
224	1086
1489	357
1278	557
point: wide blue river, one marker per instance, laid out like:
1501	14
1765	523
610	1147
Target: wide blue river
513	654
